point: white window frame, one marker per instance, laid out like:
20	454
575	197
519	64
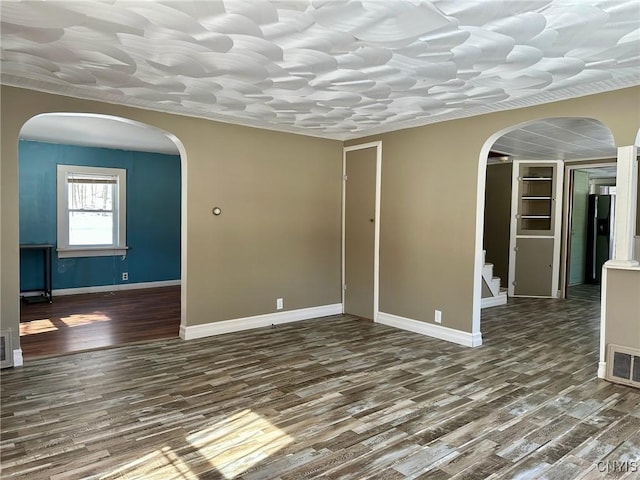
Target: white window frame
118	247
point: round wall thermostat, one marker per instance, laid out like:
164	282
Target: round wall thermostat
216	211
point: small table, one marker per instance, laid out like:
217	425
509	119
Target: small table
46	250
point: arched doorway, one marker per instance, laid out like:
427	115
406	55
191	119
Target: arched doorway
570	143
66	162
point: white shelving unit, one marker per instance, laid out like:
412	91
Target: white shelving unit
534	261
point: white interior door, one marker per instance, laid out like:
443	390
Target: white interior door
361	230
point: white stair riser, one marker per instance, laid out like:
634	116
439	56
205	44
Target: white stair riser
492	282
494	286
487	271
494	301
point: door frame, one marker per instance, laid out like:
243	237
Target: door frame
567	217
376	235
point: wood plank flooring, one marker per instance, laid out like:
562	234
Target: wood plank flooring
74	323
334	398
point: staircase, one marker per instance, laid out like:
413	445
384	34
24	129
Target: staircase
492	294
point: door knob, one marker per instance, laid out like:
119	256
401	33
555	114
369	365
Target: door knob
371	220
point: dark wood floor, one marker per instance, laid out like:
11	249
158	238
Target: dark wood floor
331	398
74	323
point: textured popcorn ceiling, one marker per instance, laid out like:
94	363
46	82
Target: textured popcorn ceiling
336	69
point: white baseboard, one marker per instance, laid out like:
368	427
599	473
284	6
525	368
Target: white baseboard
107	288
431	330
17	358
602	369
247	323
494	301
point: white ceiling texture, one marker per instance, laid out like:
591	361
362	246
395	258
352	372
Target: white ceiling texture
334	69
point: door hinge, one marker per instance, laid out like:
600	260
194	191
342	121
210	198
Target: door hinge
344	287
345	177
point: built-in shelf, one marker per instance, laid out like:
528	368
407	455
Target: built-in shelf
535	232
535	202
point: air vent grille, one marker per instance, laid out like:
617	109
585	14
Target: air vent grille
6	352
623	365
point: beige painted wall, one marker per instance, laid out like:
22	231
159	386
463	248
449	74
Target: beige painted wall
497	219
279	232
429	198
623	308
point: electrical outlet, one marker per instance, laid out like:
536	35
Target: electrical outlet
279	303
125	276
438	317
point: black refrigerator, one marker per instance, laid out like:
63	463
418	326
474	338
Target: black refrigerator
600	216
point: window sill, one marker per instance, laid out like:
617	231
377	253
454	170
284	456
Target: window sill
71	252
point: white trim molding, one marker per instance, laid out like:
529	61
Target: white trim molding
108	288
496	301
429	329
602	365
72	252
18	361
625	220
602	369
247	323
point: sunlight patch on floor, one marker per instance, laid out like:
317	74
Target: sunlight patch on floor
239	442
230	447
37	326
84	319
163	464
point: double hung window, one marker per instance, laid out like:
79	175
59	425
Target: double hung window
91	211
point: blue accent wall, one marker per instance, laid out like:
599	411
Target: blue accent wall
153	216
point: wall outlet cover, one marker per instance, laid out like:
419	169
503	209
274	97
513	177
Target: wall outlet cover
279	303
